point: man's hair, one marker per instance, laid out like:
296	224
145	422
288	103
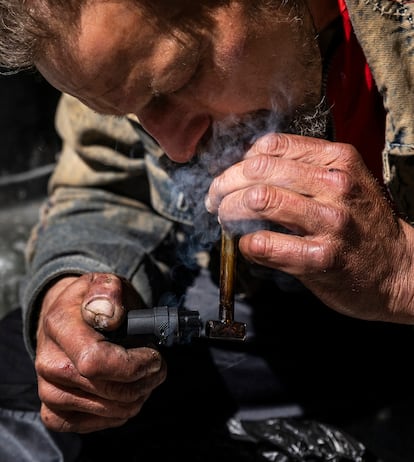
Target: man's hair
27	27
27	24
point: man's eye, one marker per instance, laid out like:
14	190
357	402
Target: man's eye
159	98
182	83
195	76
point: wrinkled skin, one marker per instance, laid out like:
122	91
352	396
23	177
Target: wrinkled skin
349	248
85	382
323	193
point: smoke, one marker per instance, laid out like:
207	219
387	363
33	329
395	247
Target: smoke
226	145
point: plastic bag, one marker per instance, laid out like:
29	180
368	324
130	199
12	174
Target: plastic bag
297	440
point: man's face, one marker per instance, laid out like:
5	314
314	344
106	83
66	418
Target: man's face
179	80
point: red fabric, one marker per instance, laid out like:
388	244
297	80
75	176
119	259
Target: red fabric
359	116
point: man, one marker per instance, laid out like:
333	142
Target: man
246	92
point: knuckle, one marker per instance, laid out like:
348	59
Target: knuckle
40	365
55	422
343	182
322	256
102	284
42	390
339	218
58	369
259	246
259	198
87	364
258	167
272	142
101	278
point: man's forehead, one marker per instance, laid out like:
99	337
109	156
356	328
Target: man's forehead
108	43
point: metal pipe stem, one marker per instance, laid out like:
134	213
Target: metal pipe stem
227	276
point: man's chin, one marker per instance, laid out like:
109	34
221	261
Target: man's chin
313	122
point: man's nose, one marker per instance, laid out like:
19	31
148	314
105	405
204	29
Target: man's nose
176	127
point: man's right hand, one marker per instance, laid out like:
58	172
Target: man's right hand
86	383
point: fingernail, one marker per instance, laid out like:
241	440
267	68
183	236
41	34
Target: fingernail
101	307
207	204
156	362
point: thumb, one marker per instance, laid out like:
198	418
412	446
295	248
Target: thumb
102	306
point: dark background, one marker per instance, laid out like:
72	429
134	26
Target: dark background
28	139
28	149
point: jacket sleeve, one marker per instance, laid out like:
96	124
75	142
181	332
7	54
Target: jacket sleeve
98	216
385	31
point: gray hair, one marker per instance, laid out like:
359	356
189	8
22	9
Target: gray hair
28	26
25	25
18	39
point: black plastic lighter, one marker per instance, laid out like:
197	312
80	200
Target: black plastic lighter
163	325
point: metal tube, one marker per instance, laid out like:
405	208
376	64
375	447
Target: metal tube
227	275
225	328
